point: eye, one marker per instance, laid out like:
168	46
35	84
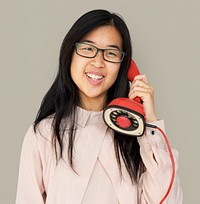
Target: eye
112	53
87	48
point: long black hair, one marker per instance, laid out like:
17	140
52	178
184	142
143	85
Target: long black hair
62	98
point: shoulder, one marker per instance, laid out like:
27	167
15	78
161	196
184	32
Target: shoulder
37	144
41	133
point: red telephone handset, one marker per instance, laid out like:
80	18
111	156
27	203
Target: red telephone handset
124	115
132	72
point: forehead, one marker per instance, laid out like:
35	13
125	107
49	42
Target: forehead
104	36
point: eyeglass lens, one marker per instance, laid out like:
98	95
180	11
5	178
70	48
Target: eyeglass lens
90	51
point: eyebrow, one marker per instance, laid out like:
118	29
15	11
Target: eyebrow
113	46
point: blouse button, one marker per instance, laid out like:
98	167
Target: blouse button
153	132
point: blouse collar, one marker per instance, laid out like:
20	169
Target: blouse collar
83	115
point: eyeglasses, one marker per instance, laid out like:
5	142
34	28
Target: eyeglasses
90	51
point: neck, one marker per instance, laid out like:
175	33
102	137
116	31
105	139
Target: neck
93	104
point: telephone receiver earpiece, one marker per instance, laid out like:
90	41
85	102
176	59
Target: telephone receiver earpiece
133	71
124	115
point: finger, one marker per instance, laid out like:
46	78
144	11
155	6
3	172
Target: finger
141	86
140	83
141	92
141	77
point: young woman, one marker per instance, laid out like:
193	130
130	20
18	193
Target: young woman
69	154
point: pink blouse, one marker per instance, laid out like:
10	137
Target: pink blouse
97	178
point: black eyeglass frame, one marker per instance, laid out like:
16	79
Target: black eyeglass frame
99	49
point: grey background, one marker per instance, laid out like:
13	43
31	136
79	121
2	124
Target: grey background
165	36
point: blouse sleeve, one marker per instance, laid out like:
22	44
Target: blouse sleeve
30	188
155	181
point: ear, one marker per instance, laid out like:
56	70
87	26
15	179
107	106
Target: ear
133	71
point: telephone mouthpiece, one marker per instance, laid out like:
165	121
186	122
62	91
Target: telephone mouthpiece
125	116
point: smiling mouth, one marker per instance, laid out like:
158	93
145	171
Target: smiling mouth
94	76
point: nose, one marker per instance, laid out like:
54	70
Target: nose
98	60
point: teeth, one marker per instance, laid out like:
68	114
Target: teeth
93	76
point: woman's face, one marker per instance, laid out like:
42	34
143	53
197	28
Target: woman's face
94	76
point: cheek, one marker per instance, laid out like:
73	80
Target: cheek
73	66
114	74
76	67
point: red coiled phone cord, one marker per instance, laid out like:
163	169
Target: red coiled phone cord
171	158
